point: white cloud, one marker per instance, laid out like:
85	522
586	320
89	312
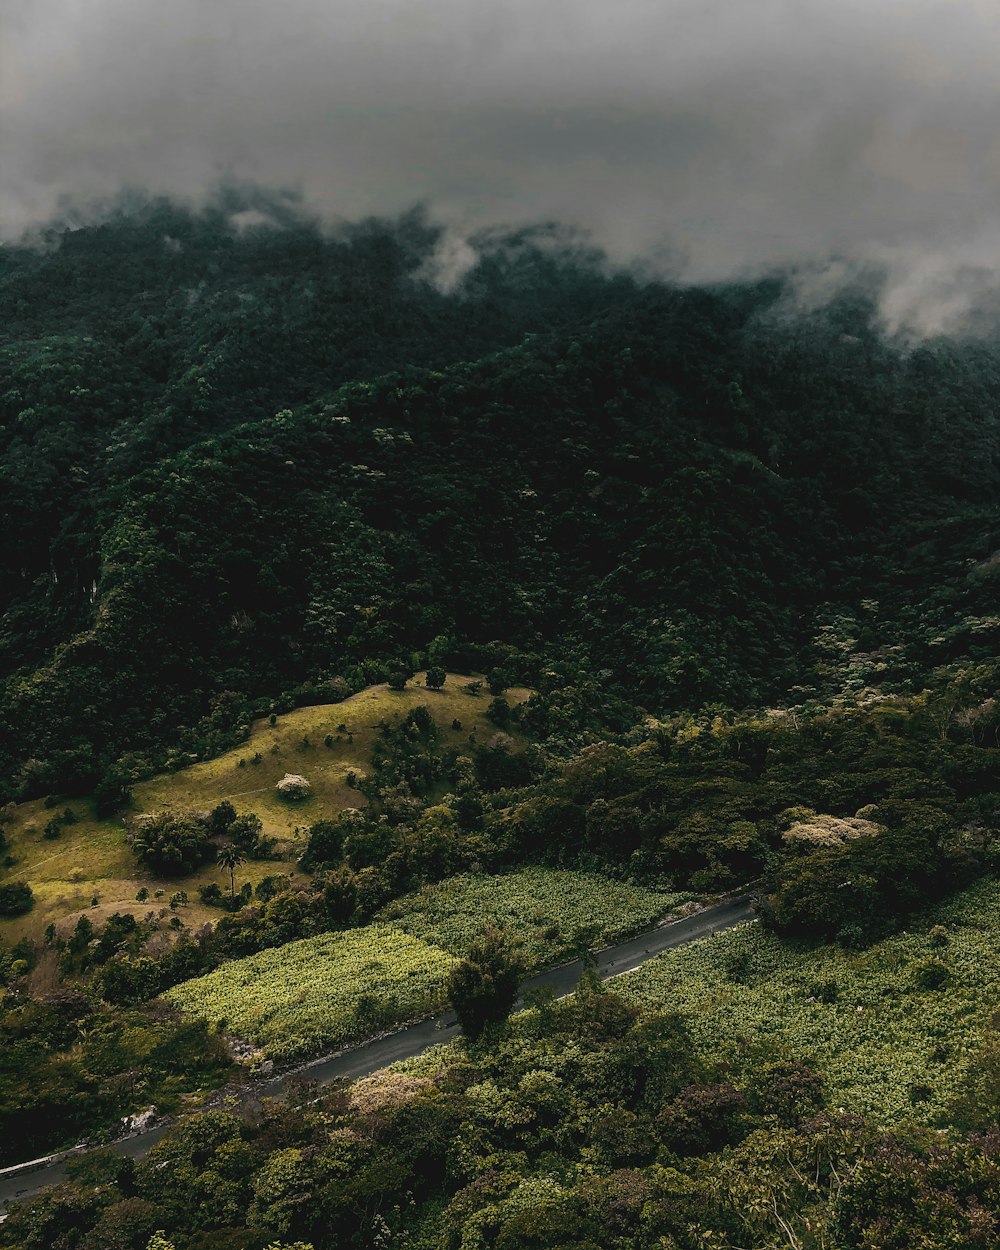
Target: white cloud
724	135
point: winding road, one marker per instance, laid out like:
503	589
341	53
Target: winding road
26	1179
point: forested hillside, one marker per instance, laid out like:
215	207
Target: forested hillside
369	641
239	465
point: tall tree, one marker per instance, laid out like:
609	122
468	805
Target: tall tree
482	988
230	858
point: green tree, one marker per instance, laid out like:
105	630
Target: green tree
169	842
222	817
482	988
230	858
399	675
16	897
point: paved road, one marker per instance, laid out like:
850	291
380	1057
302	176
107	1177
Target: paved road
414	1039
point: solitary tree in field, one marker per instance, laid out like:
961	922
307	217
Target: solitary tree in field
483	987
230	857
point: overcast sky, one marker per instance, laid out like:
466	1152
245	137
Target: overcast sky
714	137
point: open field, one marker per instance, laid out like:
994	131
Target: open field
305	996
296	745
314	994
544	907
887	1047
92	858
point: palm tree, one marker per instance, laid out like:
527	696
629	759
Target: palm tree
231	857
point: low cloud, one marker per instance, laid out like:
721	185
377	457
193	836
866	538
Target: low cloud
703	139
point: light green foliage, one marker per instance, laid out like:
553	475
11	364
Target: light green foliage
159	1242
884	1037
321	991
544	907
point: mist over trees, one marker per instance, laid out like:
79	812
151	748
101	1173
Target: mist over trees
744	557
247	465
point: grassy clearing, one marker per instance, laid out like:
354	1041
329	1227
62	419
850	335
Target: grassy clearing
296	744
545	907
315	994
887	1047
91	857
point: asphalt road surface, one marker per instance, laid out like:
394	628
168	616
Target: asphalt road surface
407	1042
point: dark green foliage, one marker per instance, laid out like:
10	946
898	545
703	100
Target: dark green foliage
790	1091
112	792
499	712
325	845
245	834
977	1106
399	675
668	506
859	889
919	1190
931	974
171	842
221	818
702	1119
482	988
815	450
118	929
436	676
15	898
590	1158
128	982
55	826
69	1066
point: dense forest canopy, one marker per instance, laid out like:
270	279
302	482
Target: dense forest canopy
374	641
237	463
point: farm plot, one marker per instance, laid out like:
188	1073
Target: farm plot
317	993
544	907
890	1027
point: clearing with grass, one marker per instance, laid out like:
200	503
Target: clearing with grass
91	857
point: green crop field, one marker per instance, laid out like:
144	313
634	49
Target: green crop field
886	1046
91	857
314	994
544	907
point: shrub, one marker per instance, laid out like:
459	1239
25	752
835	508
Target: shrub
171	843
399	675
16	898
702	1118
788	1090
293	787
483	987
931	974
499	712
325	845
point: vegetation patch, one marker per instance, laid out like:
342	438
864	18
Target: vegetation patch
317	993
892	1027
547	908
331	744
